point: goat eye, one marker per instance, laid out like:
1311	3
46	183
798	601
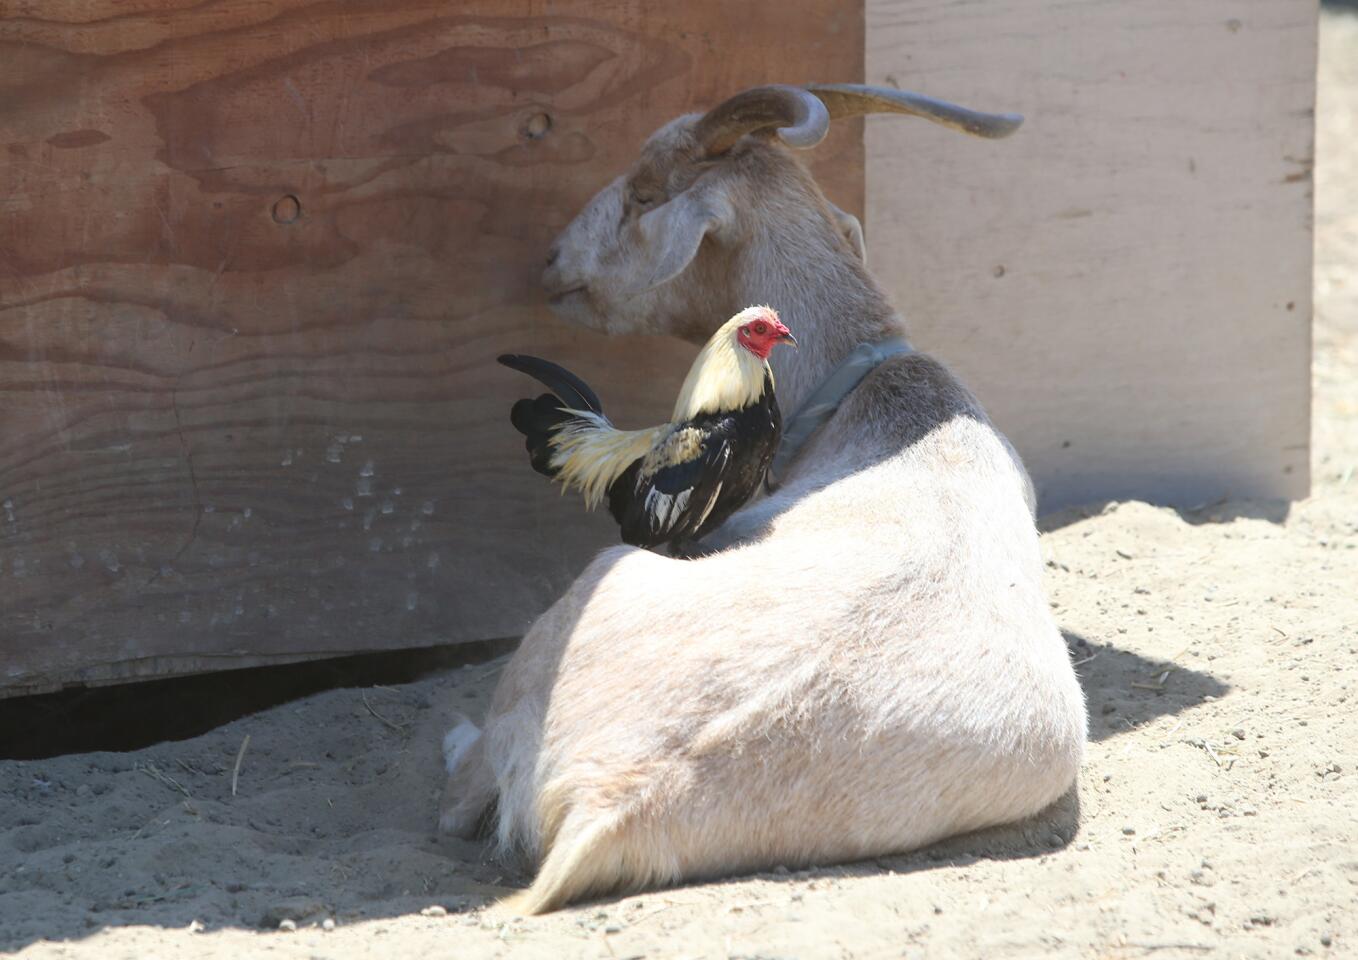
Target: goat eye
642	199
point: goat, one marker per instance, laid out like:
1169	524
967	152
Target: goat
859	664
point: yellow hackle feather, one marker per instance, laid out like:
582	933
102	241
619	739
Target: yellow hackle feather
590	453
725	376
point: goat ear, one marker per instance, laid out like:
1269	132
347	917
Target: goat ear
673	232
851	230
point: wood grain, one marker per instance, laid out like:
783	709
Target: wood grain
1126	282
256	259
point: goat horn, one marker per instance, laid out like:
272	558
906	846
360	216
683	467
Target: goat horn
802	119
855	99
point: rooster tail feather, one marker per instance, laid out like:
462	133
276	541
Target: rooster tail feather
567	435
589	453
573	391
539	420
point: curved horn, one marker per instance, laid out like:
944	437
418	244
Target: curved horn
802	119
856	99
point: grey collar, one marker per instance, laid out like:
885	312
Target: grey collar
826	398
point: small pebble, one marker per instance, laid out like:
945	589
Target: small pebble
1129	831
328	924
1326	939
434	911
287	925
613	928
1201	798
291	909
1238	733
196	926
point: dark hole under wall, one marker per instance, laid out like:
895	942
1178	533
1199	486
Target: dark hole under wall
131	716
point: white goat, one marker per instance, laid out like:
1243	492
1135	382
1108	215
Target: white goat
865	661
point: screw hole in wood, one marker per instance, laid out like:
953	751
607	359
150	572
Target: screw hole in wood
537	126
287	209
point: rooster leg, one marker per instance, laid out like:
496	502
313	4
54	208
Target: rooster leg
687	549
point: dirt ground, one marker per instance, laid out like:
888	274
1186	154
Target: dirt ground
1216	814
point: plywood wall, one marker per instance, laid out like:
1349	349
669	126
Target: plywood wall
1127	281
256	259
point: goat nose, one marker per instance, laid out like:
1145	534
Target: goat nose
553	254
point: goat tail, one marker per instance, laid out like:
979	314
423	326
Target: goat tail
584	859
595	843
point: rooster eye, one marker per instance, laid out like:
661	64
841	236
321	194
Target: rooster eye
760	329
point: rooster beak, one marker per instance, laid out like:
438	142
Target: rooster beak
789	339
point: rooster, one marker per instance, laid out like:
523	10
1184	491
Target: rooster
675	482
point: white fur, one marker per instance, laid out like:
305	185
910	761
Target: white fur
863	663
457	741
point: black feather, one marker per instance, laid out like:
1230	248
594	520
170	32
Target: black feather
690	488
538	420
695	495
573	391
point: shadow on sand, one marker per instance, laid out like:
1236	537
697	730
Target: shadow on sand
1106	674
1217	511
312	848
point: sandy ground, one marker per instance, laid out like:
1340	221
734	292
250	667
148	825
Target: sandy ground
1216	812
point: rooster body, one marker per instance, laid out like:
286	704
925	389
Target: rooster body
674	482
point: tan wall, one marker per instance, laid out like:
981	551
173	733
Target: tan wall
1126	282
